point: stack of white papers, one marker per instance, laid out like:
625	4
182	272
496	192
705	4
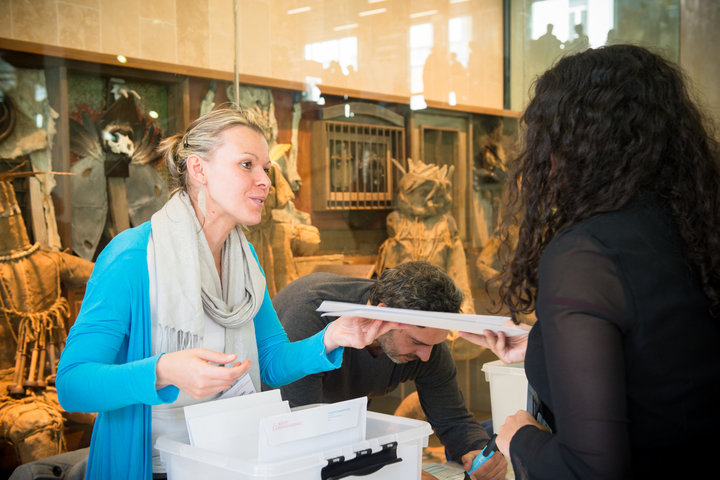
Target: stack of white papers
231	426
261	427
315	429
442	320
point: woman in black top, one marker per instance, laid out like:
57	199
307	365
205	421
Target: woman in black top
616	195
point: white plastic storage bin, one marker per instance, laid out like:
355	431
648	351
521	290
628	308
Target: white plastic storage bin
508	389
392	451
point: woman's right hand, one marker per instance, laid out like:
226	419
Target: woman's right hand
508	349
193	373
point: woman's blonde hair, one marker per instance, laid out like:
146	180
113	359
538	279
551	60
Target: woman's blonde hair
202	138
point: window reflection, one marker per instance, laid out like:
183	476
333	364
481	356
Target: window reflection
393	43
554	28
338	58
452	52
420	45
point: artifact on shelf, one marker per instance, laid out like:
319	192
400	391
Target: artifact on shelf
489	172
422	228
27	130
284	232
33	331
115	172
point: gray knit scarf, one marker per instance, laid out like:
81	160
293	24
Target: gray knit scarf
189	289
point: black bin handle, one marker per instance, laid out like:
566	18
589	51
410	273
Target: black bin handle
364	463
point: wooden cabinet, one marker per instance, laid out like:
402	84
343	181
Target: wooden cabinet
354	162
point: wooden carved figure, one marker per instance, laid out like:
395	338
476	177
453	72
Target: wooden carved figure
422	227
32	331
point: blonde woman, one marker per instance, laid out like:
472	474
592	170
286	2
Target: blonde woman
177	309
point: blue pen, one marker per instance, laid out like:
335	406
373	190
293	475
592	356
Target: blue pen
487	452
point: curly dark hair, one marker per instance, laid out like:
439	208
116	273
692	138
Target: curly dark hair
604	126
416	285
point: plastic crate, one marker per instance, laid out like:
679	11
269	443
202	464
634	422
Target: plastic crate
392	451
508	389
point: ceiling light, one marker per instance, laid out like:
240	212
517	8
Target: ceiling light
426	13
299	10
372	12
348	26
121	58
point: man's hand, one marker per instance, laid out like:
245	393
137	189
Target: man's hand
508	349
193	373
494	468
355	332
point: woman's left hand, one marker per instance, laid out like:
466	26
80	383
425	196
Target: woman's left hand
355	332
508	349
512	424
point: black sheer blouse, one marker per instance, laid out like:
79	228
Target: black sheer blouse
624	356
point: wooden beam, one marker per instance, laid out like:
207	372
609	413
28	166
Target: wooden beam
118	205
56	83
178	106
37	213
362	108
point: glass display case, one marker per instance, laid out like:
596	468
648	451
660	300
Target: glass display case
350	94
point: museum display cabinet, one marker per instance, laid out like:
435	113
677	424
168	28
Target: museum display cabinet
355	90
342	160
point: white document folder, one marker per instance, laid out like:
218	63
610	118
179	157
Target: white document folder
314	429
230	426
444	320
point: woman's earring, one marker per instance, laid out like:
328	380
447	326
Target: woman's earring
202	201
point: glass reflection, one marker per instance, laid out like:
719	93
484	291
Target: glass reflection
448	52
555	28
435	52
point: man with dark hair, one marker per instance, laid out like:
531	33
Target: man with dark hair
400	355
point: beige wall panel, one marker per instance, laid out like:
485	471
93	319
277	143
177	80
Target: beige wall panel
193	32
35	21
83	3
6	17
78	26
157	40
222	51
200	33
221	17
163	10
255	37
120	27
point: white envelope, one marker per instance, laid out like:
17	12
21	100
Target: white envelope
230	426
463	322
312	430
